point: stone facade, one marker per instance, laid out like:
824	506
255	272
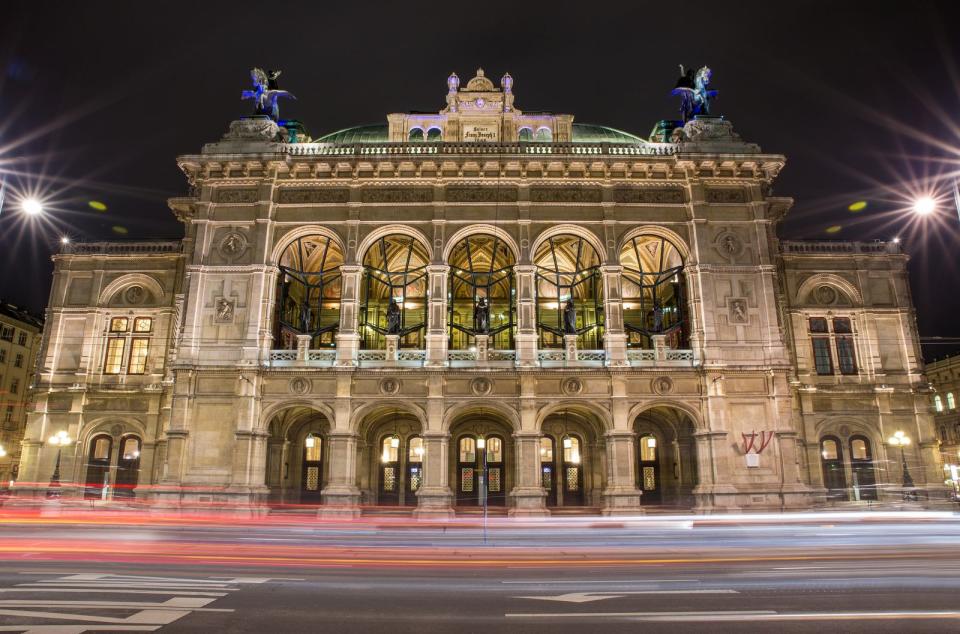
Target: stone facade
944	376
318	334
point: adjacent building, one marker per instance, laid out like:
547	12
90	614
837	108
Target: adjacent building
483	305
944	375
19	343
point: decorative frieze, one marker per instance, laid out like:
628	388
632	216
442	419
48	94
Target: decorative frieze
481	194
397	195
669	196
289	196
235	196
565	195
726	195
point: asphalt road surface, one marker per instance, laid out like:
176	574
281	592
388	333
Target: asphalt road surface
874	573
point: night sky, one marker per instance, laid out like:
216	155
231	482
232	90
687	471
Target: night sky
98	98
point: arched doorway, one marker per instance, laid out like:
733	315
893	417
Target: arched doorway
128	466
831	461
666	457
864	480
482	448
296	456
113	465
98	466
392	453
572	459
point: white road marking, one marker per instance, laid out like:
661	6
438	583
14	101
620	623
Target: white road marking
539	582
759	615
586	597
188	593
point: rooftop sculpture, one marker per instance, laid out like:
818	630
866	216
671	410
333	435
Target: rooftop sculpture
265	93
694	95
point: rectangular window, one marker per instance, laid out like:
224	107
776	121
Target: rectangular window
14	386
142	324
6	333
8	416
119	324
22	339
138	356
18	362
114	358
842	326
846	358
818	325
3	355
821	355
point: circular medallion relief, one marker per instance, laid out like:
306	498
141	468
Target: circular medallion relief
572	385
825	295
299	385
662	385
481	386
389	386
233	244
844	430
134	294
115	430
480	102
729	244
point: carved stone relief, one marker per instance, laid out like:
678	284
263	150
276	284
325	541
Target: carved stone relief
572	385
738	311
300	385
564	195
397	195
728	245
224	311
289	196
824	295
726	195
234	196
481	195
481	386
233	246
662	385
671	196
389	386
135	295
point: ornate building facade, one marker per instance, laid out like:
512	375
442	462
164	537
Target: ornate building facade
944	375
482	306
19	343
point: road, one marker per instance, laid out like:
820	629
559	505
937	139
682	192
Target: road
870	573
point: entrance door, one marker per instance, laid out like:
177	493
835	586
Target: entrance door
831	456
495	484
414	469
389	471
572	472
311	478
128	467
650	471
98	467
861	465
548	471
467	481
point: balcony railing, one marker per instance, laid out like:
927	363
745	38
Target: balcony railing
672	357
448	149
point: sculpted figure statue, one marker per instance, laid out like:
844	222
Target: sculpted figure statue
305	315
481	316
393	318
693	92
569	318
657	317
265	93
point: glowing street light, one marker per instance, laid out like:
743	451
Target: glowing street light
31	206
900	439
59	440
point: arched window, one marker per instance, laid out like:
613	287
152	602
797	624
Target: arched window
653	292
649	470
434	135
951	403
481	292
861	468
308	297
543	135
572	472
415	453
526	135
416	135
569	289
98	466
831	459
938	403
128	467
394	292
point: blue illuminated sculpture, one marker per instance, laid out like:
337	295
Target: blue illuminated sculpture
265	93
694	95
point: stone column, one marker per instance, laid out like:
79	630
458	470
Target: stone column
438	275
303	345
392	347
435	499
341	497
529	497
483	347
614	336
712	493
526	337
659	347
348	336
247	483
570	347
621	497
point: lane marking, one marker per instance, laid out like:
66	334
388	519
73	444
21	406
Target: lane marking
189	593
759	615
586	597
604	581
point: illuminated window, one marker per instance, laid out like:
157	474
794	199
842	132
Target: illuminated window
648	449
142	324
546	450
569	292
571	450
526	135
101	448
416	135
390	449
858	449
481	268
653	292
312	448
415	450
114	359
8	415
394	292
468	449
130	448
119	324
951	403
434	135
494	449
938	403
138	356
829	449
308	294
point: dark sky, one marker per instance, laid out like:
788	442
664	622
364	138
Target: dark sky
862	97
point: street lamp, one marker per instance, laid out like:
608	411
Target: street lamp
899	439
924	206
31	206
482	448
59	440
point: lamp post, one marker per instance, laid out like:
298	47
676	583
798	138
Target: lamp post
482	448
59	440
899	439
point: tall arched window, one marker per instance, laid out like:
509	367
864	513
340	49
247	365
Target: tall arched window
653	293
831	459
544	134
434	135
481	292
416	135
525	135
938	403
308	296
951	403
98	466
569	289
861	467
128	466
394	292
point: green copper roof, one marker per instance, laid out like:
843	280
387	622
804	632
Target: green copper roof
379	133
